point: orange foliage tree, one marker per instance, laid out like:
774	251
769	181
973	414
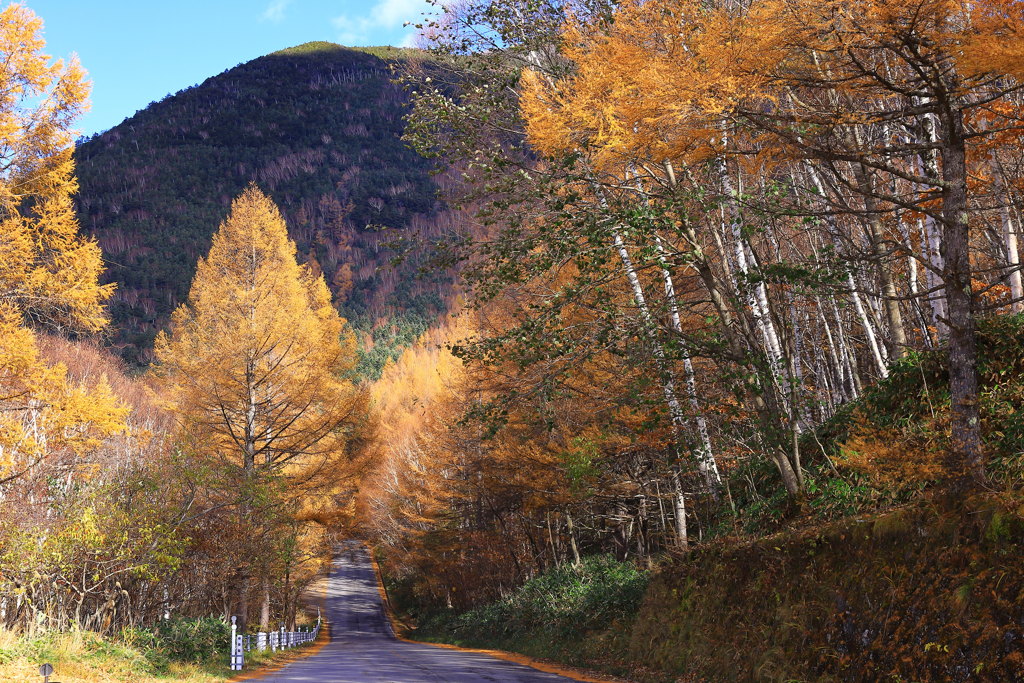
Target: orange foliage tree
870	113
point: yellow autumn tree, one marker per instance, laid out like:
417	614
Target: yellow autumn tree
257	359
49	274
256	368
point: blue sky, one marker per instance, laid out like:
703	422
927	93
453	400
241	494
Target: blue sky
138	51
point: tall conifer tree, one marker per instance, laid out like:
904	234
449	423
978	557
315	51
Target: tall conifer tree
256	368
257	358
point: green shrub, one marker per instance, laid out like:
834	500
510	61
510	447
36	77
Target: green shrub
194	641
563	601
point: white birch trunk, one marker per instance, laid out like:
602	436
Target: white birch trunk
707	467
1013	261
1010	245
933	239
682	534
869	331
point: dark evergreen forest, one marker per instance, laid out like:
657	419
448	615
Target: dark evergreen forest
318	127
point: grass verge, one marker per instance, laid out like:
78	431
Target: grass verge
86	657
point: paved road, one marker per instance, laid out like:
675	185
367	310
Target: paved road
363	649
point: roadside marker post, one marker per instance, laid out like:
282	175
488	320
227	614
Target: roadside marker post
236	646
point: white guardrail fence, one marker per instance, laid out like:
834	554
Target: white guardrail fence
272	640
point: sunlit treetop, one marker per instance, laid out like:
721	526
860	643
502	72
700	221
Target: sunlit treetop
47	270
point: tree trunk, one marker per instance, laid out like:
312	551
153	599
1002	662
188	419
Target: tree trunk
265	606
551	540
1010	246
572	538
1013	262
790	479
288	607
963	354
682	535
869	330
932	240
243	601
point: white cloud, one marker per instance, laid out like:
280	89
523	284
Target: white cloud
384	20
397	12
411	39
275	10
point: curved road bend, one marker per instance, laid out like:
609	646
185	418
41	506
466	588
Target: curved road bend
363	650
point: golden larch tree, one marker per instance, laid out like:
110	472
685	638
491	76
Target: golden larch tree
257	359
256	368
49	274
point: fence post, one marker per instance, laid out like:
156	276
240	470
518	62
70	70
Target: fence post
234	645
238	642
283	641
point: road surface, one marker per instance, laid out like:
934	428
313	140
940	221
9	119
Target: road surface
363	649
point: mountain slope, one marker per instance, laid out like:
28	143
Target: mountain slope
318	128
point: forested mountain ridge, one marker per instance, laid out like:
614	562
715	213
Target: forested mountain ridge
318	127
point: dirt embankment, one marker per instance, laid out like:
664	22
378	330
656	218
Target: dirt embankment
917	594
922	593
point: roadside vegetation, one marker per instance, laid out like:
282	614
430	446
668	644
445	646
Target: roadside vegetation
179	649
184	650
557	606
